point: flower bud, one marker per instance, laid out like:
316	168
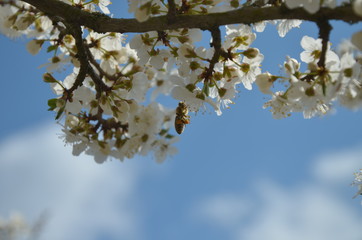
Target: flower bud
251	53
48	78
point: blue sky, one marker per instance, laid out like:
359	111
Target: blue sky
242	175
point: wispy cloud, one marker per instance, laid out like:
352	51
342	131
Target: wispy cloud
337	167
313	210
91	201
84	200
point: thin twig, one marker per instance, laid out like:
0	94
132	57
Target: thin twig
100	85
85	67
76	31
216	44
98	67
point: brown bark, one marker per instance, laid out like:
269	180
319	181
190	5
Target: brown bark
246	15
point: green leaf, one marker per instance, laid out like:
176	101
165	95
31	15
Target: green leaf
52	48
52	103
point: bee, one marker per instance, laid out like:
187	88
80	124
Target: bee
181	118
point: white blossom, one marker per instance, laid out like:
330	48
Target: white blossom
357	7
115	114
264	81
357	40
284	26
312	6
34	46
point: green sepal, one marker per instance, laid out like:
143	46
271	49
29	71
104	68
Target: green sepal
190	87
201	96
48	78
324	88
206	89
163	132
222	92
183	39
169	136
60	112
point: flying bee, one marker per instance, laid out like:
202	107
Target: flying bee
181	118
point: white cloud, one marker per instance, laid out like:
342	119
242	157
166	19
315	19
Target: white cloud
226	210
338	166
86	200
83	199
312	210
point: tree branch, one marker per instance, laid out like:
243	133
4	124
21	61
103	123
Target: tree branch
171	14
246	15
216	44
85	67
77	34
325	29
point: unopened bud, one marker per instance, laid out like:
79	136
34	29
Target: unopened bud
251	53
48	78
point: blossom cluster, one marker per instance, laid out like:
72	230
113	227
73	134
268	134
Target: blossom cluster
314	90
358	182
107	104
14	228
